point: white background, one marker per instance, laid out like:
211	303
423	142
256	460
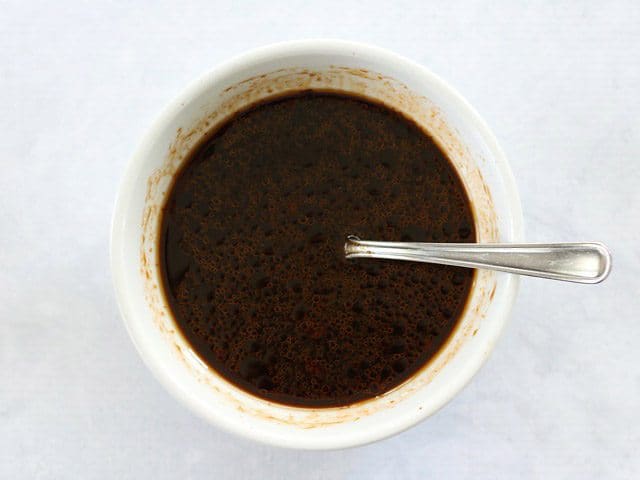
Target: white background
559	83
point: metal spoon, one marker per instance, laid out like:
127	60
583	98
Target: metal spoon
571	262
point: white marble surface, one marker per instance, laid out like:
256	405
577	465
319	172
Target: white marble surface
558	82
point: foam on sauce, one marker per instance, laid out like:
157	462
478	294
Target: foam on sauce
252	249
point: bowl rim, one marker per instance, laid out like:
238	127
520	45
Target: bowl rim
200	85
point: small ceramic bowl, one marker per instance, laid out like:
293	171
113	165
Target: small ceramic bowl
262	73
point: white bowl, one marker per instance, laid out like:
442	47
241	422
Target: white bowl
325	64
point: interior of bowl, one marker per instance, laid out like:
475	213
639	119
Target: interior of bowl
371	73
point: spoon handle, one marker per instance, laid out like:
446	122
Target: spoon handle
571	262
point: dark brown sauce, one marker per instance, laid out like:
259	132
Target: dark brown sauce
253	260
